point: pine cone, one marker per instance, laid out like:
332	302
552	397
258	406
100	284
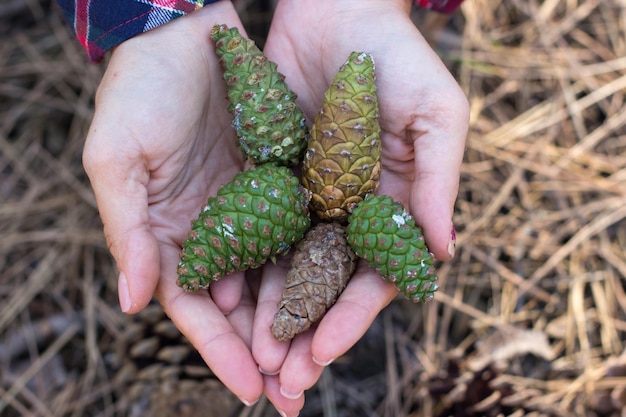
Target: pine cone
342	163
321	268
270	125
254	218
383	233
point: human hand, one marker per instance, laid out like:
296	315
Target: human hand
424	121
159	144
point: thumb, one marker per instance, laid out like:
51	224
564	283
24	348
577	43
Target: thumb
439	144
119	183
138	262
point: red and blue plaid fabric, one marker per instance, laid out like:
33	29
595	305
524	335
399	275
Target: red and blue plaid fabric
443	6
100	25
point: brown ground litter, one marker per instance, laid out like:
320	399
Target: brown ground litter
530	319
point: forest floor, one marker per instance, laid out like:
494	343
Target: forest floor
530	317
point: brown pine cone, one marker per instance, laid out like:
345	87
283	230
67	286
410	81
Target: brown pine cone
320	270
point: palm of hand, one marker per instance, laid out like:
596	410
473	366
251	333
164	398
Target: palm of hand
423	112
175	139
422	151
156	150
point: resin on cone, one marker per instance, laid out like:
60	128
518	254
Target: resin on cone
254	218
270	126
383	233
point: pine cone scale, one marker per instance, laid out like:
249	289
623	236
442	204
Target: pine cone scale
383	233
342	163
255	217
321	267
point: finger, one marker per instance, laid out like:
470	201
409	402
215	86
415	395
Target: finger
241	317
285	406
299	372
269	352
439	143
226	293
221	341
119	183
353	313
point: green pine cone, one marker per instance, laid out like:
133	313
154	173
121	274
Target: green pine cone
383	233
255	217
342	163
270	125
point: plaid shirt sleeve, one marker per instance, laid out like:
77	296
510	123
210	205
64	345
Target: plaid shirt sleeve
100	25
443	6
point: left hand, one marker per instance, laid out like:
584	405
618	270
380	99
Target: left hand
424	121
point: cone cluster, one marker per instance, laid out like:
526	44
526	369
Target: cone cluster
264	211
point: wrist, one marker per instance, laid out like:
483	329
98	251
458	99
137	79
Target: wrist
443	6
184	41
101	25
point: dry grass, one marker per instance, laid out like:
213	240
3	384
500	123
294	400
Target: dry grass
530	319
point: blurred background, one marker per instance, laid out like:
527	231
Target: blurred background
530	319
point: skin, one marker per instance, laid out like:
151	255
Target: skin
161	142
424	121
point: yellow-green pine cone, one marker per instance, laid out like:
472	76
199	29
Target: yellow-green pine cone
342	162
270	126
383	233
255	217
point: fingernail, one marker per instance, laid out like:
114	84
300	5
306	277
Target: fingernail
290	395
452	243
268	373
123	293
248	403
320	363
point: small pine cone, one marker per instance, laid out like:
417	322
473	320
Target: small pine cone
342	163
320	270
255	217
383	233
270	125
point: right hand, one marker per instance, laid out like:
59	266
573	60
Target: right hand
160	143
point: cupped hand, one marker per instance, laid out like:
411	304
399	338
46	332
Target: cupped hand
424	121
160	143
